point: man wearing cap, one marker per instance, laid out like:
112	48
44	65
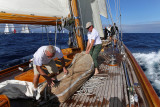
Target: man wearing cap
94	44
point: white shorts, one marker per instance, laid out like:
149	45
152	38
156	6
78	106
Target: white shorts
51	67
114	37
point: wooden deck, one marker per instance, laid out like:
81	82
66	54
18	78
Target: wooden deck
114	90
112	93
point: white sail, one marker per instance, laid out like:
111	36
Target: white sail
59	8
6	30
96	18
102	8
26	30
23	31
90	11
12	28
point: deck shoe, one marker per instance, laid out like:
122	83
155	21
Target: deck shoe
34	94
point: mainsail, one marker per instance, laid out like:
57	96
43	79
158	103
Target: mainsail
48	11
33	11
51	8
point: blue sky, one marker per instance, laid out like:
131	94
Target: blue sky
138	16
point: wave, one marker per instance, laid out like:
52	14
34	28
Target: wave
150	63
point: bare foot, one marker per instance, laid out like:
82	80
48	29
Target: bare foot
96	71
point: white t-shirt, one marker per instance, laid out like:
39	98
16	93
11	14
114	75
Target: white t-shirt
94	35
40	57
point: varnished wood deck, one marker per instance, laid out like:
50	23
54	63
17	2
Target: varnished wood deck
113	93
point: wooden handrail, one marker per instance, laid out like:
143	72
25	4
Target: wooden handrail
11	69
149	92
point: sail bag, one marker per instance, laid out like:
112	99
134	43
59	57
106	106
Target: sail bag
79	72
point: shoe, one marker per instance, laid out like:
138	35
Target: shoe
34	94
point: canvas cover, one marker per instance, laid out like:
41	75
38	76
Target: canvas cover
14	89
79	72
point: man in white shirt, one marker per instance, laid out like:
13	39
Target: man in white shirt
94	44
44	56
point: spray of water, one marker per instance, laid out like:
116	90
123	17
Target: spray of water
151	63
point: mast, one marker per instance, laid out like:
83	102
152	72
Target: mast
77	24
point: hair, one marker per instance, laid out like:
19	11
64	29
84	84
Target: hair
51	49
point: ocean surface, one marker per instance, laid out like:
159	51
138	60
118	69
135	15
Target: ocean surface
145	47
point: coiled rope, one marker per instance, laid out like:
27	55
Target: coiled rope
91	85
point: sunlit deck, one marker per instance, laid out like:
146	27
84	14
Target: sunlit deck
113	90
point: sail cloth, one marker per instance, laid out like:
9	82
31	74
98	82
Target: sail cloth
48	8
17	89
90	10
79	72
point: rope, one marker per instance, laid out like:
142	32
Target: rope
91	85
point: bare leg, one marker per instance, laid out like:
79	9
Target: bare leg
36	80
115	41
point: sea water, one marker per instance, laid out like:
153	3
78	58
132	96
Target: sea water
20	47
145	47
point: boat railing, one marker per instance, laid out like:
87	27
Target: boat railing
149	92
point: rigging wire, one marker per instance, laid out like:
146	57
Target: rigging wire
56	33
47	34
109	9
120	20
82	23
42	34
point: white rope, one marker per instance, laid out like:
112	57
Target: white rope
91	85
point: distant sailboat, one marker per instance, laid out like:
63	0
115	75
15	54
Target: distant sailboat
22	31
25	29
6	30
13	30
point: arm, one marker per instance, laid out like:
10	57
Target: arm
90	46
63	65
49	80
87	45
